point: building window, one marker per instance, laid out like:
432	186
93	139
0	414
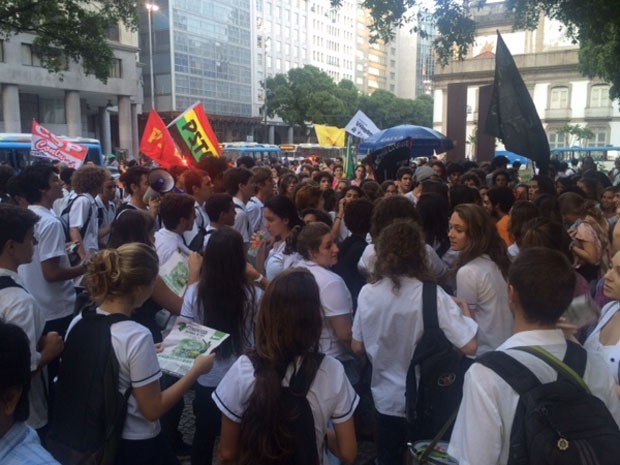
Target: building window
599	97
556	139
29	58
117	68
52	110
113	33
559	98
600	136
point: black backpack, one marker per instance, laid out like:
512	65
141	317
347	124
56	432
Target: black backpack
432	402
556	423
303	435
88	422
7	281
64	218
197	242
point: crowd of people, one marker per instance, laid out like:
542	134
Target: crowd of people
308	272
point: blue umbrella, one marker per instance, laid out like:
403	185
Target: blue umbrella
422	141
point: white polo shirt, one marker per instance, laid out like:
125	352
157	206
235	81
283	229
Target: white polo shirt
84	209
480	283
57	299
481	434
335	300
254	209
167	242
390	325
436	267
202	220
241	220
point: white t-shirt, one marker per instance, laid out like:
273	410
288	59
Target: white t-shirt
18	307
611	354
242	224
167	243
480	283
390	325
109	213
277	261
335	300
138	365
56	299
84	208
331	396
436	267
481	434
254	209
190	311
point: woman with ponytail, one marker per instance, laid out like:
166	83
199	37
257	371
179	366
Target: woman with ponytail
251	396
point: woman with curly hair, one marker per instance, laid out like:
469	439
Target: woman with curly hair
256	426
389	324
481	271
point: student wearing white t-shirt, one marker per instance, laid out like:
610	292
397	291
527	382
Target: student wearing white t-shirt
224	299
199	185
87	183
18	307
319	252
119	281
177	213
237	183
389	324
288	330
482	268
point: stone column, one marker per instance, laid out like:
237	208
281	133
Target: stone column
124	125
10	108
135	137
290	135
106	131
74	113
272	134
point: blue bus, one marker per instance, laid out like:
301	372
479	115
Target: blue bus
259	152
15	150
603	156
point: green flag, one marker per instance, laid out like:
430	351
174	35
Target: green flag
349	162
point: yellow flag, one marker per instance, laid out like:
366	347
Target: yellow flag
329	136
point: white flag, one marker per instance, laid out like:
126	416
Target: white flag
361	126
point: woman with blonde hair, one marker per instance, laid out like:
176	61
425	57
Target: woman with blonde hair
481	270
119	281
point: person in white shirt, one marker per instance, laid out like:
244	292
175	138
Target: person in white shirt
198	184
87	182
106	210
49	276
135	182
389	323
18	307
541	283
177	213
319	252
221	209
263	184
481	270
224	299
237	183
65	176
120	280
288	329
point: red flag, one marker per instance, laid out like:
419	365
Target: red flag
157	143
47	145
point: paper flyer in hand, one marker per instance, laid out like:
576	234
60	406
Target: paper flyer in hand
175	273
186	341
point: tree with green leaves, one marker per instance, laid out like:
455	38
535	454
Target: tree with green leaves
308	95
594	24
576	134
74	29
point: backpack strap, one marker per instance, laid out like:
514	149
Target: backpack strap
563	369
517	375
67	211
429	305
7	281
301	380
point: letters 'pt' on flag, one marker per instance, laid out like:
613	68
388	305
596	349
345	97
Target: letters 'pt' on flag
47	145
512	115
157	143
329	136
193	133
361	126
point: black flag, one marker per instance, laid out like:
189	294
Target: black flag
512	115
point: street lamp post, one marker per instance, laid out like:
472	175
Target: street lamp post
150	8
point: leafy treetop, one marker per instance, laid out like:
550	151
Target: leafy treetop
594	24
76	29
